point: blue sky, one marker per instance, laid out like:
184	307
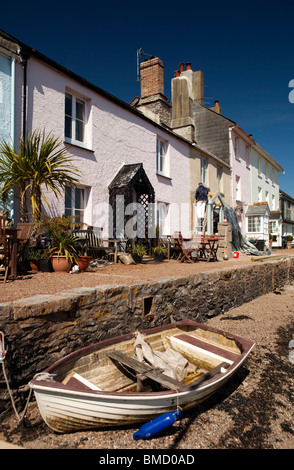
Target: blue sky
245	51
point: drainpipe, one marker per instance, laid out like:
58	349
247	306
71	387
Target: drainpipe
12	123
25	55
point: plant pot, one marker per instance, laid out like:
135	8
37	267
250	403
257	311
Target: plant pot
46	266
271	243
137	258
60	264
289	244
83	262
158	257
34	265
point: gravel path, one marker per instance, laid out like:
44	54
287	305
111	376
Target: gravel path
253	411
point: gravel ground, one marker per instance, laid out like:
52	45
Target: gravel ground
253	411
39	283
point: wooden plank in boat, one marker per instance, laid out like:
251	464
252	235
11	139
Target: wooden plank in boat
147	371
211	373
230	356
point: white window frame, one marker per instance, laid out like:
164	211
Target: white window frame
237	148
259	167
163	218
203	171
162	162
254	224
238	188
247	155
75	120
219	174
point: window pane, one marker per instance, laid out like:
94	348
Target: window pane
79	216
68	200
80	131
161	151
79	198
68	105
80	110
67	127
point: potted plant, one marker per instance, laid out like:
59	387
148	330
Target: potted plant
139	252
45	263
270	241
83	258
160	252
289	241
63	252
33	255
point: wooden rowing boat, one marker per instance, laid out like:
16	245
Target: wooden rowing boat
107	384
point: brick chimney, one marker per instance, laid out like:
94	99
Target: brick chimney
152	102
152	78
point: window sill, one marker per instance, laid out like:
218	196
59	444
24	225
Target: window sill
75	144
163	176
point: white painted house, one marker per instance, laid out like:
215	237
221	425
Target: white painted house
105	136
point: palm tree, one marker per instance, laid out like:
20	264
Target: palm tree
13	173
41	162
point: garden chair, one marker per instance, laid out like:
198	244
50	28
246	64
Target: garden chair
186	247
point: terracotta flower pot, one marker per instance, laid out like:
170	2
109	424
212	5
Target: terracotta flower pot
60	264
83	262
34	265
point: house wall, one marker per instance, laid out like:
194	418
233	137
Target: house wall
240	168
287	209
268	185
211	131
212	176
116	137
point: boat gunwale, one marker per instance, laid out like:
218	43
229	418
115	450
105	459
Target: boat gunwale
43	384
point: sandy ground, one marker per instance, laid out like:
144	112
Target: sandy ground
253	411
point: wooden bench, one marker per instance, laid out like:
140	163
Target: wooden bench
94	242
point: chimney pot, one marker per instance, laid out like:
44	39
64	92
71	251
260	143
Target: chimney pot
188	66
182	67
216	103
177	73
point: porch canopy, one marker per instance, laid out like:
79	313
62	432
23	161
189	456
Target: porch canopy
131	185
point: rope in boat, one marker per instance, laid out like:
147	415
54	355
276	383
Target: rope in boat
2	358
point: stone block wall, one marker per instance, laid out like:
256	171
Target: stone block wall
40	330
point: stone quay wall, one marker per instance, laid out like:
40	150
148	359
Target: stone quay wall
42	329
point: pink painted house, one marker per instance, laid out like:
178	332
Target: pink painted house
119	151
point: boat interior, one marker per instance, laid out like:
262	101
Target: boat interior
115	368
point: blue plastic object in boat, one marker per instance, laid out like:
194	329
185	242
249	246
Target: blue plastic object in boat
156	425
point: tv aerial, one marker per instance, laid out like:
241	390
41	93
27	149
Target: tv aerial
140	54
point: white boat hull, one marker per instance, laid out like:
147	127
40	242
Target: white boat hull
66	410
